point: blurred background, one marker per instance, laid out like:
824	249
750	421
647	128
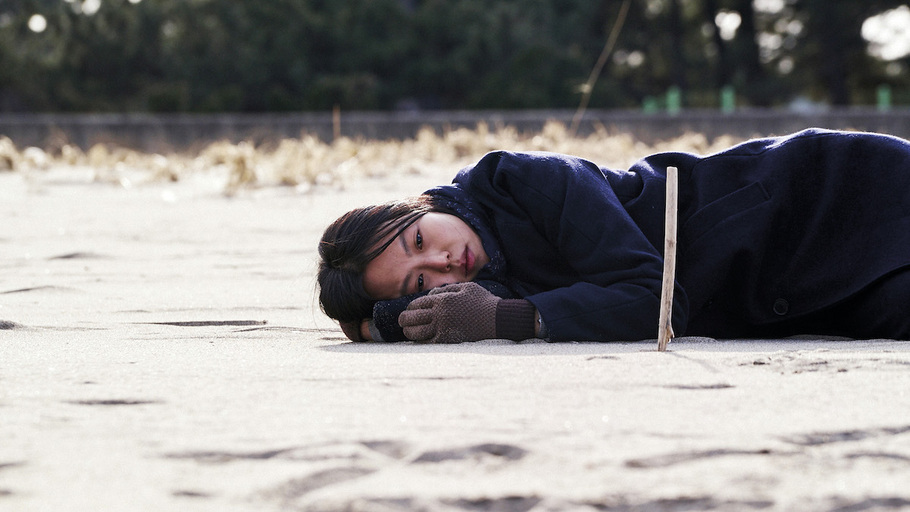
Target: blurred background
293	55
426	56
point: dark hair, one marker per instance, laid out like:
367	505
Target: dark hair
353	241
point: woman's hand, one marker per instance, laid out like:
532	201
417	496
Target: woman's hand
451	314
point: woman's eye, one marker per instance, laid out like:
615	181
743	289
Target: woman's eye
420	283
419	241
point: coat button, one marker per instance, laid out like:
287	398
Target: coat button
781	307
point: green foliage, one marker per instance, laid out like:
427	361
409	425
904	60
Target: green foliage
289	55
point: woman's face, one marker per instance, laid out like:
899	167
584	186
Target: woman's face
435	250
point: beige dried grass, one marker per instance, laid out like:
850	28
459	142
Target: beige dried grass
307	161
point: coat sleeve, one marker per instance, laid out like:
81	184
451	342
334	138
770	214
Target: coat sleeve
586	265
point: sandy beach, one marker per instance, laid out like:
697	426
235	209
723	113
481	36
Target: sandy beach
161	349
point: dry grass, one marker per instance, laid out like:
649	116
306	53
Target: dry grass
307	161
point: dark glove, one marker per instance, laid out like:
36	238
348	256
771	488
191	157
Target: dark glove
386	312
451	314
466	312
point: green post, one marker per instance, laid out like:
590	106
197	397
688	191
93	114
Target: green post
884	97
674	100
649	105
727	99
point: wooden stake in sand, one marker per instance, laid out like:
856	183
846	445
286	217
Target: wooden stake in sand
665	332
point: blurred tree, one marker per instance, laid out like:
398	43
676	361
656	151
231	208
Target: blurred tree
833	44
508	54
751	77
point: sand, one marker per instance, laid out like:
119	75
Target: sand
160	349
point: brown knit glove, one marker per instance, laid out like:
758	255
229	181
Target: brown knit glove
466	312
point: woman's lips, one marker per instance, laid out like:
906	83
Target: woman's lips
468	262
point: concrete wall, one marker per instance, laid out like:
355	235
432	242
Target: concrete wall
166	132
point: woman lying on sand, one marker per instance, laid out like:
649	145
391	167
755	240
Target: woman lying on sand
804	234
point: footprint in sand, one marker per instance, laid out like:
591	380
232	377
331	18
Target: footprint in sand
6	325
820	438
353	461
45	288
113	402
79	256
8	465
487	450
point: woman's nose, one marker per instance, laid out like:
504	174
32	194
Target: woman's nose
440	262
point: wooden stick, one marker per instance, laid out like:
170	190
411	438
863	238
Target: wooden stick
665	332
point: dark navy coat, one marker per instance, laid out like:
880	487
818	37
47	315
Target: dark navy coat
770	231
